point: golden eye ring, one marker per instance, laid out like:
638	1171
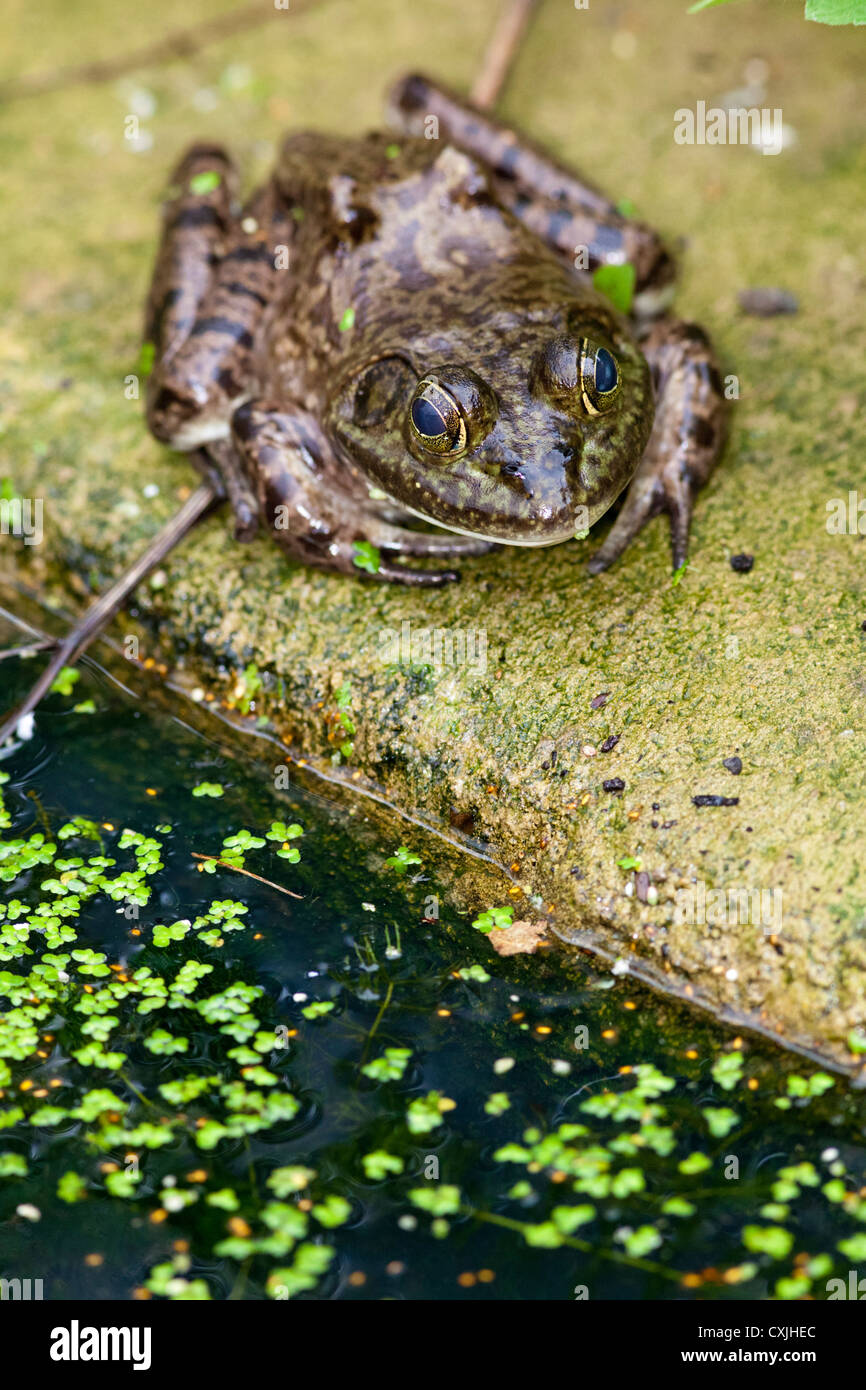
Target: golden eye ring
599	378
435	419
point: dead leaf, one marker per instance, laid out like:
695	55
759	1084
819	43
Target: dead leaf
519	938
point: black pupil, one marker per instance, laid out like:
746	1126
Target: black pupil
606	375
426	419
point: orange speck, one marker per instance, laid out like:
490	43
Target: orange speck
395	1267
692	1054
197	1175
624	1071
180	1246
609	1034
135	931
467	1280
26	1086
258	936
691	1281
158	1216
630	1004
150	791
737	1043
751	1084
443	1013
238	1226
486	1276
109	1167
94	1261
357	1278
543	1028
305	1204
56	1082
558	1176
41	1092
141	1295
515	1018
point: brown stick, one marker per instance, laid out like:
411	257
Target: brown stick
501	53
249	874
99	612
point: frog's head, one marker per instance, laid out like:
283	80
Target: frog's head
523	427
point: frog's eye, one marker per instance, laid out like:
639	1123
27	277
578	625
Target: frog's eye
599	378
436	419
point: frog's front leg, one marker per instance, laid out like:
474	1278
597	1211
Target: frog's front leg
687	437
297	482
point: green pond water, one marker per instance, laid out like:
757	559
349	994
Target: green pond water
344	1095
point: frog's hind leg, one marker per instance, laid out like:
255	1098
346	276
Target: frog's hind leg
687	438
564	210
197	218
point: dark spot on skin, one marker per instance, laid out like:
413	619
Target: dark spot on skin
227	328
557	224
228	383
235	287
734	765
704	434
742	563
615	785
202	216
507	162
259	252
713	800
610	742
605	240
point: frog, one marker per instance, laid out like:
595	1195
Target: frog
395	350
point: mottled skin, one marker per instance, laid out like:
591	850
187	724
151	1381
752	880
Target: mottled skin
305	344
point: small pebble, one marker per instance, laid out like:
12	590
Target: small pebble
599	701
613	739
28	1211
713	800
615	785
742	563
734	765
766	302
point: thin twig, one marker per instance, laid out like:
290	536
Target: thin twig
182	44
227	865
501	53
28	648
197	505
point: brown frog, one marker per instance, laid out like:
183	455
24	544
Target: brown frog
402	329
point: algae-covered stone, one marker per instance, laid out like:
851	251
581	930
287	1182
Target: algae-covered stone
543	684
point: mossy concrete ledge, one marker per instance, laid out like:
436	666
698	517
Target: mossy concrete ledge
580	734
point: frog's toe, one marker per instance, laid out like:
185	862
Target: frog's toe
666	491
445	543
391	573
